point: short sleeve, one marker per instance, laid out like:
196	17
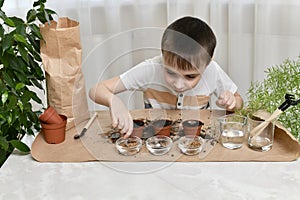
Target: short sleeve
139	76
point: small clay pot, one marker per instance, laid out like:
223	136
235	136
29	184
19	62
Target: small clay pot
192	127
138	128
55	133
162	127
50	116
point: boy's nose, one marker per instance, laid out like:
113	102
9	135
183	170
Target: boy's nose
179	84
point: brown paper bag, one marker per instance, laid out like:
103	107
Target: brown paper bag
61	54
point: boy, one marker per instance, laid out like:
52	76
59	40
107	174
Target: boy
183	77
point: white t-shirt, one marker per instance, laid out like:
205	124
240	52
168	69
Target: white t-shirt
148	77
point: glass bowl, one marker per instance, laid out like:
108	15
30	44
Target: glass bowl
129	146
159	144
190	145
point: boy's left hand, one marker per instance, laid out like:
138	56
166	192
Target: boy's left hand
227	100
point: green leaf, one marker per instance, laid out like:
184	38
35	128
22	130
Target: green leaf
42	17
19	145
42	6
19	86
23	120
21	29
2	15
4	97
27	107
36	98
30	132
20	76
1	31
1	117
9	22
23	52
50	12
16	64
39	73
37	84
30	48
20	104
28	95
17	21
2	85
3	143
6	42
8	79
47	17
4	59
36	56
1	3
20	38
12	102
9	119
35	43
16	115
36	3
33	117
31	15
35	30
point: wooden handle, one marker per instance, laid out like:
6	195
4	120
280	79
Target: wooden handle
85	128
257	130
91	121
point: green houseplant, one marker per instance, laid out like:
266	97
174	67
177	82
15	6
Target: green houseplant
269	94
20	70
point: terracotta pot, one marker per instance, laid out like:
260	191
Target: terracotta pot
138	128
55	133
162	127
50	116
192	127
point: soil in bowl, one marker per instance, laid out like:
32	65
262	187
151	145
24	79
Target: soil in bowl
190	145
159	144
129	146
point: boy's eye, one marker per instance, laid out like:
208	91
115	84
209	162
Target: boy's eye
191	76
171	73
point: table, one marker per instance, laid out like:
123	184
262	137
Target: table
21	177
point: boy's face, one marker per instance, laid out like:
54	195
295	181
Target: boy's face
181	80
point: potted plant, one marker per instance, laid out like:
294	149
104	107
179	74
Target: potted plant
269	94
20	70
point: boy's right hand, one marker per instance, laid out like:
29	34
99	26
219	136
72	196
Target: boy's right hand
121	117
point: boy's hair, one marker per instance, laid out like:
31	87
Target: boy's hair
188	43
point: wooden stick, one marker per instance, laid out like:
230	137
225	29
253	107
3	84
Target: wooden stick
85	128
257	130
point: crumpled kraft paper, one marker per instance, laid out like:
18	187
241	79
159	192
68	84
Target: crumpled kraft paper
61	55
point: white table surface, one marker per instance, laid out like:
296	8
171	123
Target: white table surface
21	177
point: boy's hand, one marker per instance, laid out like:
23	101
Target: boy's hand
121	117
227	100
